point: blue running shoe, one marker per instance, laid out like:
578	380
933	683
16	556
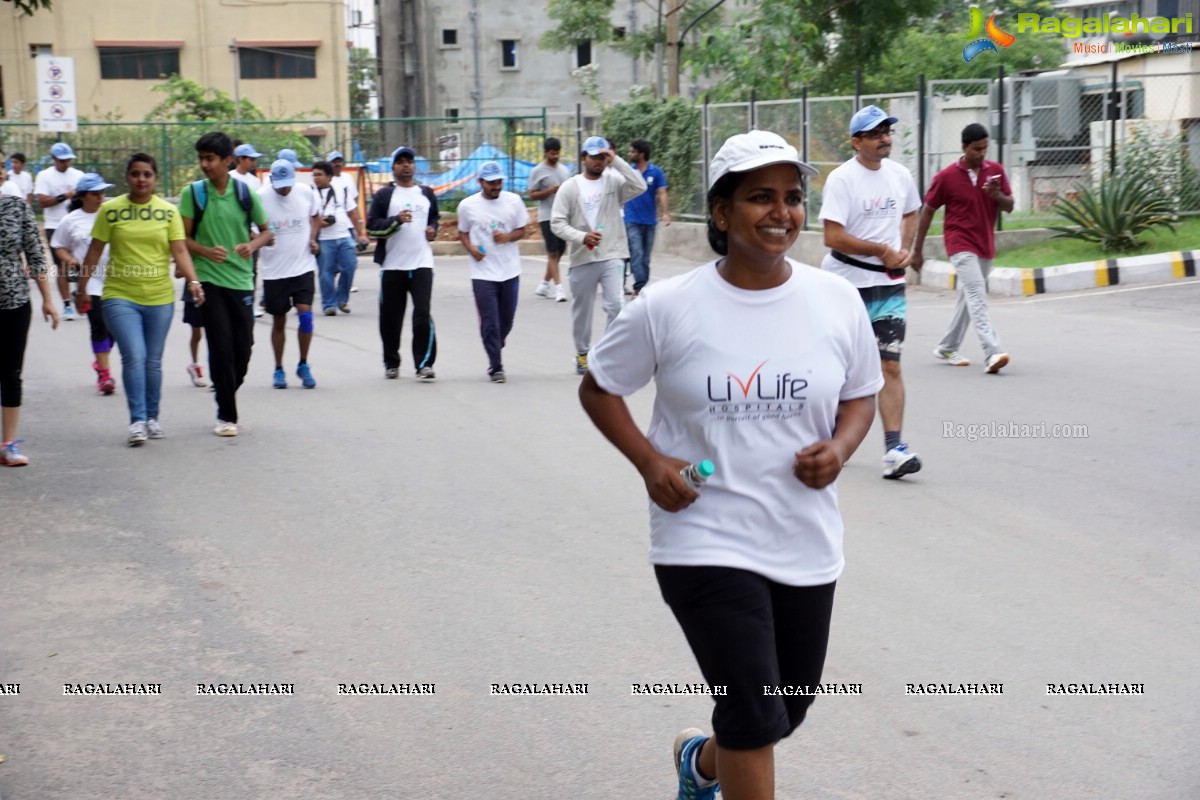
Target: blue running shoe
280	379
305	376
687	746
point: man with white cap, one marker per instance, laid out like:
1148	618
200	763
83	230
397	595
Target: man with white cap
587	216
490	223
245	161
869	209
54	188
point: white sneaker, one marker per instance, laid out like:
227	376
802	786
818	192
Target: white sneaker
544	289
154	430
196	373
951	357
996	362
137	434
223	428
560	294
899	462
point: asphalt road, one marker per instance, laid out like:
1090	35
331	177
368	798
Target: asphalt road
464	533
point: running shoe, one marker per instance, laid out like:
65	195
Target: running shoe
545	289
68	314
899	462
104	380
11	455
951	357
223	428
560	294
687	748
344	308
280	380
498	376
426	373
258	312
391	373
353	289
196	373
137	434
154	430
996	362
305	376
581	363
331	312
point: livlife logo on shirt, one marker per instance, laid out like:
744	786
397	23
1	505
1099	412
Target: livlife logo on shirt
878	207
284	225
781	386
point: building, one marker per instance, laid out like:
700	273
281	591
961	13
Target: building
289	61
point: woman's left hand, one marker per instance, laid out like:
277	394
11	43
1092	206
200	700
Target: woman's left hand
50	313
197	293
818	465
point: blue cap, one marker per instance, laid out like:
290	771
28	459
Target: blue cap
91	182
283	174
246	151
595	145
868	118
336	155
491	171
289	155
62	150
403	150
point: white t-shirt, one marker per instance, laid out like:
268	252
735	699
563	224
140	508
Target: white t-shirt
591	197
869	204
291	218
249	178
75	234
10	188
338	201
478	217
407	248
52	183
746	379
23	180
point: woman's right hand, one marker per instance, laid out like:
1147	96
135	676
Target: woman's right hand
665	485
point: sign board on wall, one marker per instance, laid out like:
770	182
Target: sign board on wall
56	94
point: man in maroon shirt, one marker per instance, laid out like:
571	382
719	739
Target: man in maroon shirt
974	191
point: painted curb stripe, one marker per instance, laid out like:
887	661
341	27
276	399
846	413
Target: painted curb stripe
1035	283
1183	265
1107	273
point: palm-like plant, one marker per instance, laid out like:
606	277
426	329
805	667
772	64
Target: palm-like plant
1114	214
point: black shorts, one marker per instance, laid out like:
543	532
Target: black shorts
748	632
192	315
281	294
71	273
888	310
553	243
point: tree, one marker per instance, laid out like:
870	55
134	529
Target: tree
29	6
188	101
362	82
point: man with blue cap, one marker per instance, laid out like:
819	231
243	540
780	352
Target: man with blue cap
245	166
869	210
54	188
288	154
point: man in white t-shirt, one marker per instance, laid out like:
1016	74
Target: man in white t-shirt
869	209
54	188
338	258
289	265
490	223
20	175
245	169
403	220
349	189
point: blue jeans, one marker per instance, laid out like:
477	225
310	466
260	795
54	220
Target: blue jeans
141	333
641	244
336	262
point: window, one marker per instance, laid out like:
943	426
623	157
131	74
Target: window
452	113
138	63
583	53
619	33
449	37
277	62
36	50
508	54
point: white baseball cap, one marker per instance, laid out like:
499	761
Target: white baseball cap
750	151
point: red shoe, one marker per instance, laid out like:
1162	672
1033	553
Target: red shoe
104	381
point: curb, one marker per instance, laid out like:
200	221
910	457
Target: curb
1013	282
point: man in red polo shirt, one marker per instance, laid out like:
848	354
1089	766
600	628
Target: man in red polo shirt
974	191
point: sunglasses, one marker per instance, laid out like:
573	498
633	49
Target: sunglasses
875	134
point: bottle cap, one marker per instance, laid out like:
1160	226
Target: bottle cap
705	469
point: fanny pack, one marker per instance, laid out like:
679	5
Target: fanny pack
854	262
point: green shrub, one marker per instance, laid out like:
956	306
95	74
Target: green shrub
672	127
1114	214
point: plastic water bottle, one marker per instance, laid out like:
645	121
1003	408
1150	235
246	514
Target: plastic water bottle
600	230
694	475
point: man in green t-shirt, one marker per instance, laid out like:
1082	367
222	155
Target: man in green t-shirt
216	218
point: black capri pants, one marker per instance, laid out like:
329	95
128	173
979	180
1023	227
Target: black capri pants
14	334
748	632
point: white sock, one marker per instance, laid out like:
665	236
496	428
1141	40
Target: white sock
701	781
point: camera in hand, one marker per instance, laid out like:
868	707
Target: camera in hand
360	246
329	219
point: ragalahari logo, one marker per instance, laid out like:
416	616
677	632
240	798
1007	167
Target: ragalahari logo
979	43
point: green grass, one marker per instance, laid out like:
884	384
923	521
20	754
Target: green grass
1053	252
1012	222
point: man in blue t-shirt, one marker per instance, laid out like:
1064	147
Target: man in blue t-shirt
642	213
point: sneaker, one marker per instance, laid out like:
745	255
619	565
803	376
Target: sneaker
899	462
544	289
687	745
104	380
951	357
68	314
305	376
331	312
196	373
353	289
344	308
581	363
391	373
996	362
154	430
280	380
258	312
498	376
137	434
223	428
11	455
426	373
560	294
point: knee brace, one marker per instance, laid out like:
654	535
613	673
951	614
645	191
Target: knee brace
102	346
306	321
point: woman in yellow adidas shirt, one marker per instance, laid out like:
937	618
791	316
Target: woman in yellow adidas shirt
143	232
